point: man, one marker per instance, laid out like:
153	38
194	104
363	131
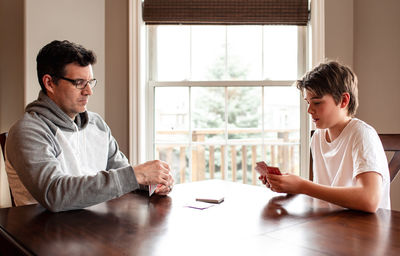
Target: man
63	156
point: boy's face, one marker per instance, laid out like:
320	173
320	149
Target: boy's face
324	111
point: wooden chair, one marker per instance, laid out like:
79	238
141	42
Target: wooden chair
311	171
3	138
391	143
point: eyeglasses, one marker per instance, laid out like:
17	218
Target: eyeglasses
81	83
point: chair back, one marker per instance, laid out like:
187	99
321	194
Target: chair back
3	138
391	143
311	174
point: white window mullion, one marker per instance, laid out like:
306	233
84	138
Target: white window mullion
226	75
190	134
150	91
263	153
262	52
190	164
221	83
305	126
226	135
190	54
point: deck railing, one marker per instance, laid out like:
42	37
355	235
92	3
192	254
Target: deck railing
233	159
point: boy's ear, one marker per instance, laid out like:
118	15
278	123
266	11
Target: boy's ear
345	100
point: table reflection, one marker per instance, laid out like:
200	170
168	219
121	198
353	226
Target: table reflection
290	205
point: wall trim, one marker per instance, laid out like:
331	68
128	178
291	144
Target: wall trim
318	32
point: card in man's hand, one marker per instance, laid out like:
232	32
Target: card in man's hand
263	169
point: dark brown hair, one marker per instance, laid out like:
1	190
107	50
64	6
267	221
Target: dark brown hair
332	78
53	58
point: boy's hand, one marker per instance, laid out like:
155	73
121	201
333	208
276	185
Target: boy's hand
286	183
263	179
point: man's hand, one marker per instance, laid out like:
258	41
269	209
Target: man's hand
154	172
163	190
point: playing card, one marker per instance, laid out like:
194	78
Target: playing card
152	188
263	169
274	170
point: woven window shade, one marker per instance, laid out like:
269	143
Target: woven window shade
226	12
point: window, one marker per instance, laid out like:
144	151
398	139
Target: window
221	98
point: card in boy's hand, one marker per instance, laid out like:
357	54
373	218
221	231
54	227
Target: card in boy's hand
263	169
274	170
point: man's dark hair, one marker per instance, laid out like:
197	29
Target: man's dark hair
53	58
332	78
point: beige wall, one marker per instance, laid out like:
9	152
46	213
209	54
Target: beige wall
11	62
376	60
339	31
365	35
75	20
117	73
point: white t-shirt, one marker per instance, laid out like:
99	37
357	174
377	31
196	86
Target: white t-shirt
358	149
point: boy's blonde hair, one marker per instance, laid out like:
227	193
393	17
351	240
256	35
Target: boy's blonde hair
332	78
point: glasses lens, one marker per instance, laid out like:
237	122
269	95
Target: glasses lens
80	83
92	83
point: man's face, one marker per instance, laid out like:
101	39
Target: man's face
69	98
324	111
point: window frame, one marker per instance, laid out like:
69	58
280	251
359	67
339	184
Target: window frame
150	85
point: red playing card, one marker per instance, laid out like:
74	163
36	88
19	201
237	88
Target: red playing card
263	169
274	170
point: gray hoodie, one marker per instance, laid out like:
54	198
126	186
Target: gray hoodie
62	163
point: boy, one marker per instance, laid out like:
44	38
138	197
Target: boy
349	163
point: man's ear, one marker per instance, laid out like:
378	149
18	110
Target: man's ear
48	83
345	100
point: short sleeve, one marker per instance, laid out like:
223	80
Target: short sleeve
368	153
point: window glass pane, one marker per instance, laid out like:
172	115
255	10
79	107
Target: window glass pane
173	53
208	161
281	107
244	52
244	132
242	161
282	127
208	114
171	118
208	53
280	52
244	114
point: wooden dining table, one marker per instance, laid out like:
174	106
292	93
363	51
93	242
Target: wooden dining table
252	220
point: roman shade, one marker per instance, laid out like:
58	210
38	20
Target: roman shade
226	12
